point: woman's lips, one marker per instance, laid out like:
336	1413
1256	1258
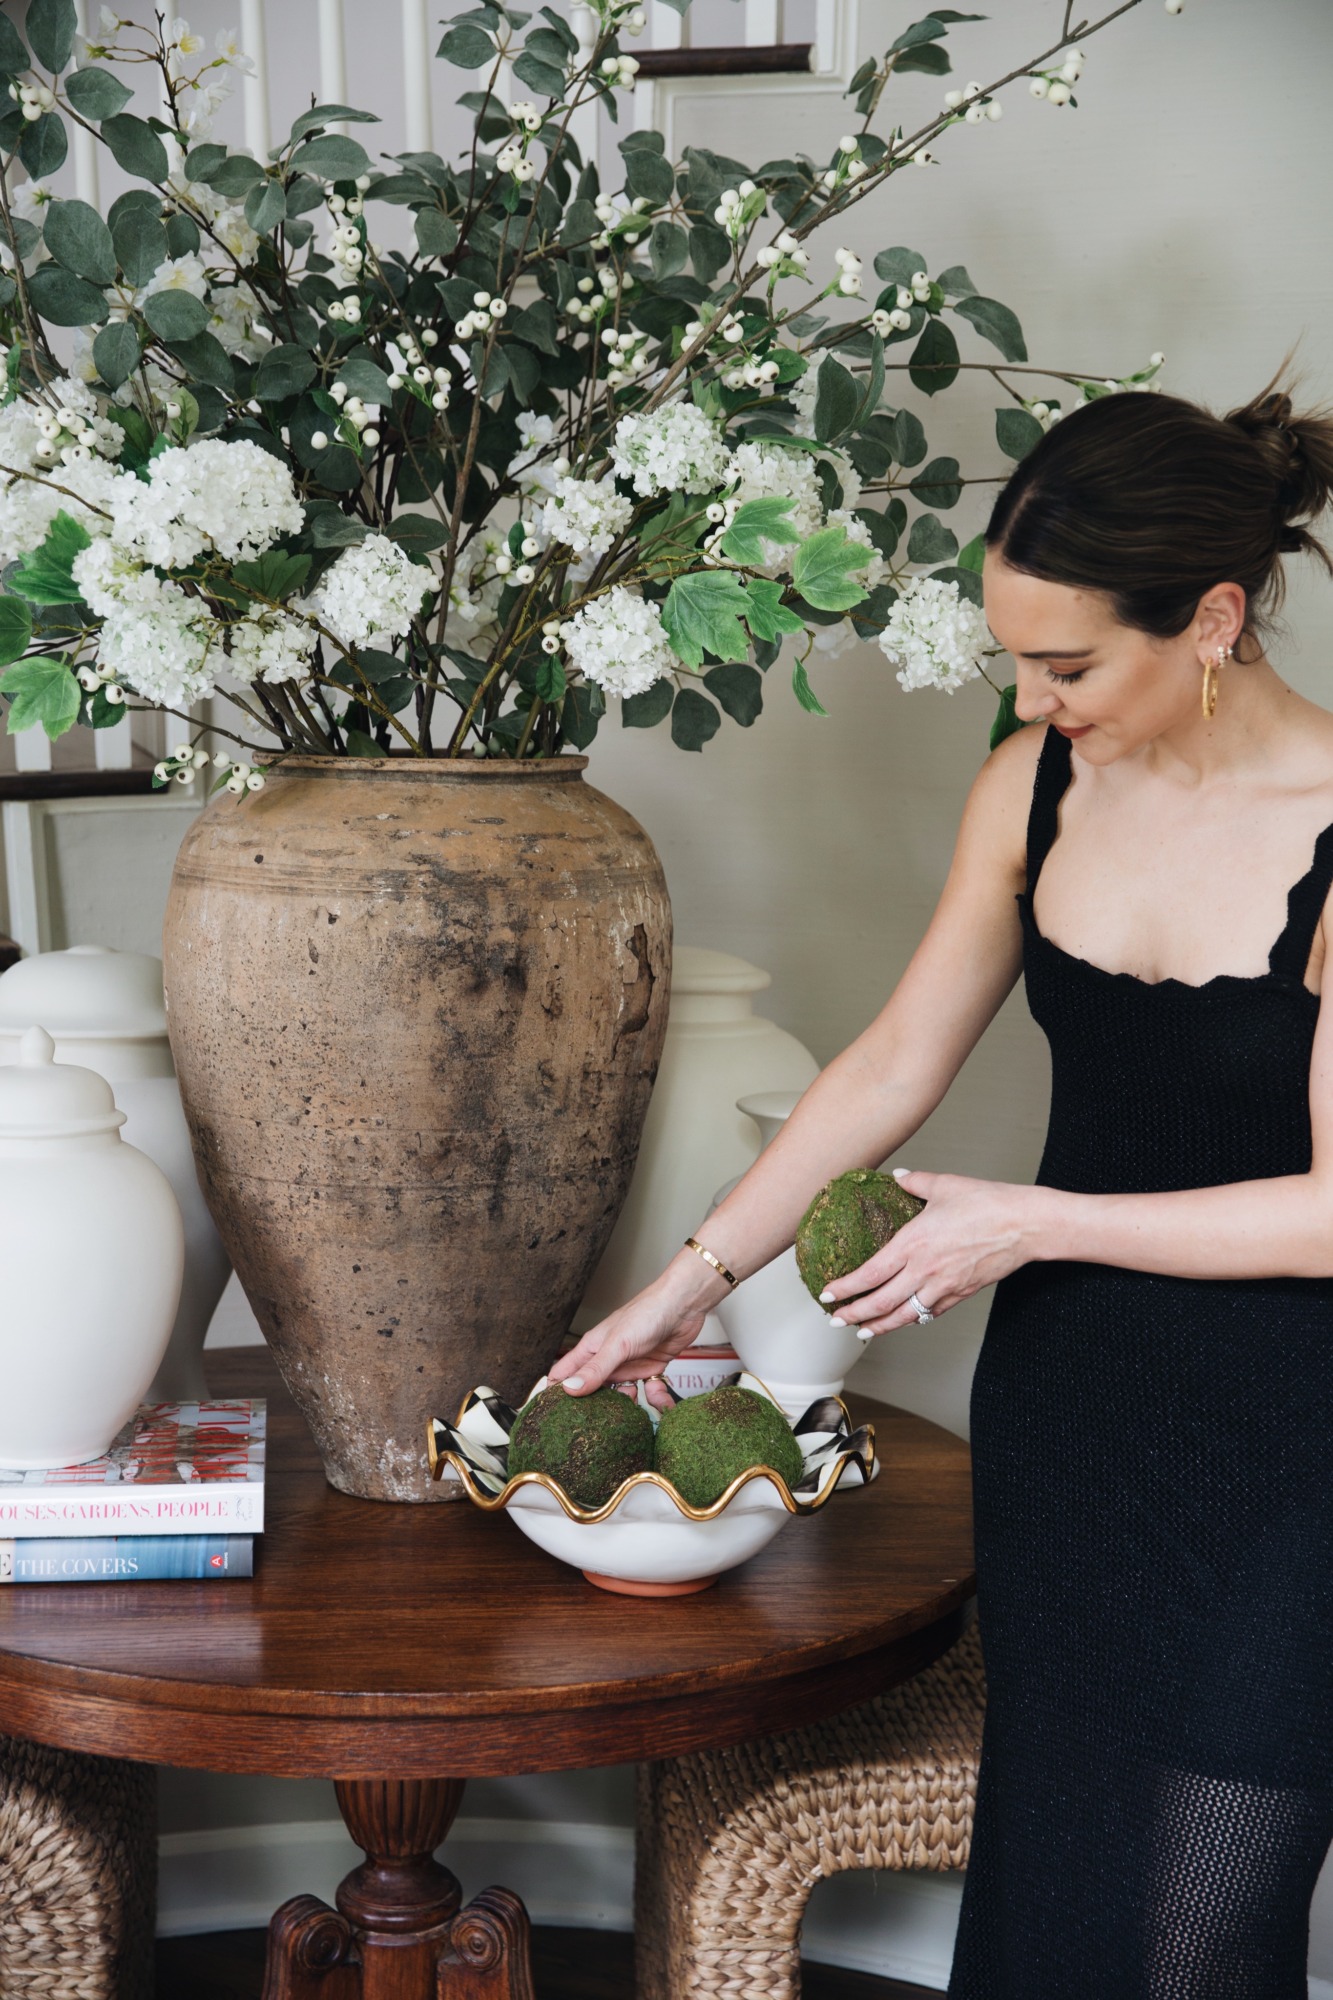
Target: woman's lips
1071	733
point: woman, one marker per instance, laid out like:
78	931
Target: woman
1152	1411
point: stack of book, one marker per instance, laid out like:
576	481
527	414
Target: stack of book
179	1494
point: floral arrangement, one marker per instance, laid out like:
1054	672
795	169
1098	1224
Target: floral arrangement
561	445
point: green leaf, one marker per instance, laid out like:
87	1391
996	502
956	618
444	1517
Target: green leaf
969	583
363	378
995	323
234	175
821	570
41	690
955	283
739	689
766	615
550	680
175	315
96	94
1007	720
274	574
15	628
702	613
139	436
928	30
973	554
870	618
333	157
694	720
467	48
909	439
648	175
937	484
537	325
419	534
544	77
332	529
756	522
1016	431
837	400
643	711
51	26
283	371
43	146
934	360
103	714
436	234
584	706
710	251
206	359
13	55
140	242
899	266
65	300
928	58
136	147
930	541
361	745
116	353
805	694
78	238
329	114
265	206
669	248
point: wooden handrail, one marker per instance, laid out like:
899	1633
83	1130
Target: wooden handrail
780	58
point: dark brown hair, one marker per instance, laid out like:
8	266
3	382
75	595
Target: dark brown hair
1153	500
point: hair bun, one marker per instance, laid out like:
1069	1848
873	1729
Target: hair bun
1297	452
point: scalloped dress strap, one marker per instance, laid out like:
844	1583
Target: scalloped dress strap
1054	769
1305	903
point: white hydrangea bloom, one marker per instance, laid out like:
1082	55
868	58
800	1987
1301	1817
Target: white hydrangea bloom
41	475
801	395
760	469
164	643
586	515
271	645
937	636
618	641
235	498
674	449
374	588
109	578
875	568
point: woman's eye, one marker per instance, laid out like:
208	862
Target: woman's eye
1066	680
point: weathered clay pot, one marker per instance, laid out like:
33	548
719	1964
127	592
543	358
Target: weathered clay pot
416	1009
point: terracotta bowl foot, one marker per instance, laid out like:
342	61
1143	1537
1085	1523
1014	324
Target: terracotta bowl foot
629	1589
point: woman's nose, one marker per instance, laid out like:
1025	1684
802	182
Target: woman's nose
1032	701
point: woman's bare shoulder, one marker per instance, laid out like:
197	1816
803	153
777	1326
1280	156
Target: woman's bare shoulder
1001	796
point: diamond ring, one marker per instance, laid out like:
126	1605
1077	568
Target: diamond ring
923	1312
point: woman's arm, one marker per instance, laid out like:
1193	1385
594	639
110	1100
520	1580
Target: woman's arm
871	1098
975	1232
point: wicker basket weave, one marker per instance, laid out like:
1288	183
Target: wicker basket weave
731	1842
78	1875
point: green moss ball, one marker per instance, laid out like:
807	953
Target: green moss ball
706	1441
847	1222
589	1444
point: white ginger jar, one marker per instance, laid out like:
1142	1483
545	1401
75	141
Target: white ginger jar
92	1247
105	1011
780	1332
717	1050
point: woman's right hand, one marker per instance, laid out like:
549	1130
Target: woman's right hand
637	1340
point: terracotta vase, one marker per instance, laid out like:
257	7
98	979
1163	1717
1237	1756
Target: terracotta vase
416	1008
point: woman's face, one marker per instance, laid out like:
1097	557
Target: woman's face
1107	686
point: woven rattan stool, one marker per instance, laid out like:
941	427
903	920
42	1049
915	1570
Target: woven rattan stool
78	1875
731	1842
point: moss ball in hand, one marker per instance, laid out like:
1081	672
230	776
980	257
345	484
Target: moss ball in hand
847	1222
707	1441
588	1444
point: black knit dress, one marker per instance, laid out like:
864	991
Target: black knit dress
1154	1515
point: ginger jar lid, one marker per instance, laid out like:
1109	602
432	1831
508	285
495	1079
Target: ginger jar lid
43	1099
87	991
696	969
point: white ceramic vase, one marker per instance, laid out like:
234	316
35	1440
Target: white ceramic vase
91	1247
781	1334
717	1050
105	1011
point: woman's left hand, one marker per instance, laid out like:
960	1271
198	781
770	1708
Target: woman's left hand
970	1234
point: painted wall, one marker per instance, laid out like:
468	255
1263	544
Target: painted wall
1182	208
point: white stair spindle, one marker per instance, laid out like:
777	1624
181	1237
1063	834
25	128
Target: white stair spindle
583	123
85	145
256	87
32	750
826	36
416	76
332	53
25	873
761	24
113	748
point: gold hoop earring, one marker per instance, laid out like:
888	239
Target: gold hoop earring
1211	669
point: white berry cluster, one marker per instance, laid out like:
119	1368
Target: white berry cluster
972	102
849	273
620	71
627	15
357	425
849	165
373	589
936	636
620	218
525	114
32	99
593	296
627	355
739	208
784	256
486	309
1056	86
618	641
672	449
347	249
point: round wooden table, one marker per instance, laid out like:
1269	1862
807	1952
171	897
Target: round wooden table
384	1647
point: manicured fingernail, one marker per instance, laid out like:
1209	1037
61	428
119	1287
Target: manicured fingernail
901	1173
573	1381
826	1298
835	1321
865	1333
